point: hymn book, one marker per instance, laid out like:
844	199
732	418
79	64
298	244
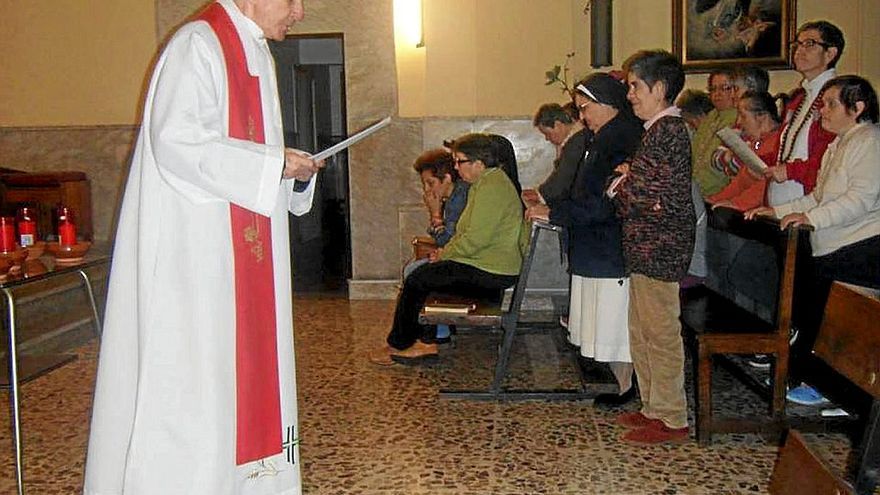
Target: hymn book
742	150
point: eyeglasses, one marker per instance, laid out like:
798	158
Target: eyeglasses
459	161
808	43
723	87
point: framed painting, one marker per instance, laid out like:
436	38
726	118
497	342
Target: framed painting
712	33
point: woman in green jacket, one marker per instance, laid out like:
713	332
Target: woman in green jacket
481	260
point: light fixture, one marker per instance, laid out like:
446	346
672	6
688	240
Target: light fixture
408	21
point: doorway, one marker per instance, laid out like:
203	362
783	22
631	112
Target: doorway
311	87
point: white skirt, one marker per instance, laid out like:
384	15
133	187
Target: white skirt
598	318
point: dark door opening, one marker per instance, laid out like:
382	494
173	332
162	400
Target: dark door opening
311	86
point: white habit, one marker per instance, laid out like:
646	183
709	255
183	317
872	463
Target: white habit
165	400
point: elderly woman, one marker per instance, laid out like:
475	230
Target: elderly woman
481	259
599	288
757	116
654	200
844	208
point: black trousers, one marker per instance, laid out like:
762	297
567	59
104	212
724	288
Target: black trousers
447	277
857	263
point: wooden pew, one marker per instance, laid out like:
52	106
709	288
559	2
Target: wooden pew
849	341
489	315
799	471
717	327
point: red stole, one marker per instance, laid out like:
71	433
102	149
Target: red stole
258	402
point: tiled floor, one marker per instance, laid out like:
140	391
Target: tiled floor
371	430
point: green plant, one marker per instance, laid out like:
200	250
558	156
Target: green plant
559	75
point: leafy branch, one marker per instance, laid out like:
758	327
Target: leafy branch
559	75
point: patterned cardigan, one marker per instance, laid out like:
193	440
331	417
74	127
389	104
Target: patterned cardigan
655	203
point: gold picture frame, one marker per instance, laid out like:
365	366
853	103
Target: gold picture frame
713	33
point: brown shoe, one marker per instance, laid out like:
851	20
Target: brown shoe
635	420
382	356
654	434
417	353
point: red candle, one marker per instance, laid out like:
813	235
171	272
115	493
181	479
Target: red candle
7	234
27	227
66	227
67	234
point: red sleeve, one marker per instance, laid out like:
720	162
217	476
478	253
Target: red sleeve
806	171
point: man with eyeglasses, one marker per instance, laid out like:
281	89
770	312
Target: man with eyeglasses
816	50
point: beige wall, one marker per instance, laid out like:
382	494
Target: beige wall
488	57
73	62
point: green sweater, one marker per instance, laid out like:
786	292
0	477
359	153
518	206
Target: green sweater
703	145
488	232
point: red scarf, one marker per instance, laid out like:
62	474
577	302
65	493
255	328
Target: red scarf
258	403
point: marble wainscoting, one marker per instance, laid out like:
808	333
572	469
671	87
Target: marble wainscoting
534	160
102	152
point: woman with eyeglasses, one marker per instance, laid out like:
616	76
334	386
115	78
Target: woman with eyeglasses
844	209
481	260
705	140
597	321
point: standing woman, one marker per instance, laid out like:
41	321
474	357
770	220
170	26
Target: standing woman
654	200
599	287
757	116
844	208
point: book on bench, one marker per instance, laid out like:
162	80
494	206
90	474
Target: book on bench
449	306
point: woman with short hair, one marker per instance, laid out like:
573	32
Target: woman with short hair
653	196
843	208
482	259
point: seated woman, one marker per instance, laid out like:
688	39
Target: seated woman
599	287
444	194
481	259
844	210
757	116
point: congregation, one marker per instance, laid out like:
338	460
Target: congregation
639	161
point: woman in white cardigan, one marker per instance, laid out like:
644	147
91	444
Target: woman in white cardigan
844	208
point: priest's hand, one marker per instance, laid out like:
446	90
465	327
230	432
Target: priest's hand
298	165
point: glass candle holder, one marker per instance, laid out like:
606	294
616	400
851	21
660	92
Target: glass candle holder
7	234
27	226
66	227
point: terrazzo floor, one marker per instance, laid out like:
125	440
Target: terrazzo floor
372	430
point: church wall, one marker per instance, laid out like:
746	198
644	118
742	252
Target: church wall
479	70
70	62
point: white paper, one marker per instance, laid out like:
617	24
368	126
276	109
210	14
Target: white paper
742	150
336	148
612	188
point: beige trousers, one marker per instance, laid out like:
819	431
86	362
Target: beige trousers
657	349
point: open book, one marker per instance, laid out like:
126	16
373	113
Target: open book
742	150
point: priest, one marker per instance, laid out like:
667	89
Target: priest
196	391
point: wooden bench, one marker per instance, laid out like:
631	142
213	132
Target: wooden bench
716	327
799	471
489	315
849	342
